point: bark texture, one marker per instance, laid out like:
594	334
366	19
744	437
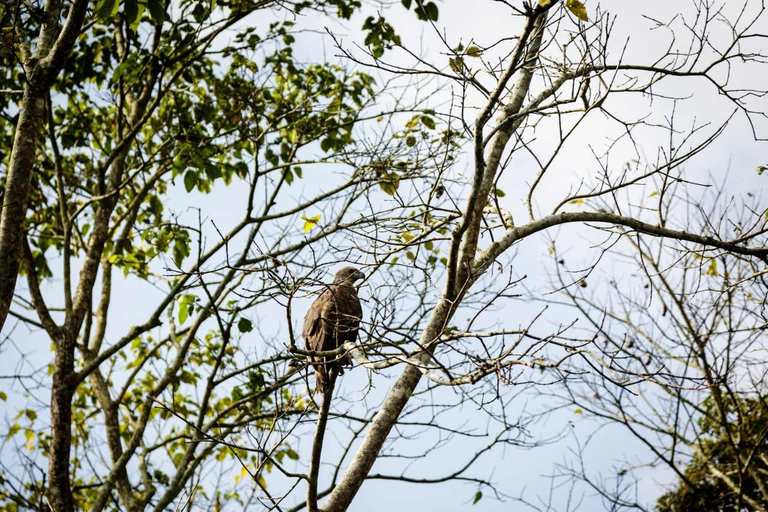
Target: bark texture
54	45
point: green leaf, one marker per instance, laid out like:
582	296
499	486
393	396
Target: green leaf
388	187
410	141
431	11
13	430
106	9
244	325
578	9
474	51
180	248
131	10
190	180
478	497
156	11
310	222
118	72
327	144
428	122
183	312
139	13
3	396
456	64
407	4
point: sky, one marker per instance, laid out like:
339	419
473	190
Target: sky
732	158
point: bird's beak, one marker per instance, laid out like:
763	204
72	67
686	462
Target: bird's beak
359	276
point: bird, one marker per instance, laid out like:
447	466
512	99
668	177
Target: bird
332	320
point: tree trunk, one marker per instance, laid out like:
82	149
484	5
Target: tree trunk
59	490
31	115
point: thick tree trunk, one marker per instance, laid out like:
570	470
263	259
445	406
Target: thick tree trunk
59	491
53	46
31	115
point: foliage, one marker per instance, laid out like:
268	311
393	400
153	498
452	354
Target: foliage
738	450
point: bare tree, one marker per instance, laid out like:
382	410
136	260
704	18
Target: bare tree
688	333
557	72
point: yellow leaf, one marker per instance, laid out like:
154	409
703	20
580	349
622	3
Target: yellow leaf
30	444
576	201
712	270
654	194
545	3
310	222
578	411
578	9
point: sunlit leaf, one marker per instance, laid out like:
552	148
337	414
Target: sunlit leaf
578	9
13	430
310	222
106	9
30	436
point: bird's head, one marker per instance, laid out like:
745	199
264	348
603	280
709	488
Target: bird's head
348	276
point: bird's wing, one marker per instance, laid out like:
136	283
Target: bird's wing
312	332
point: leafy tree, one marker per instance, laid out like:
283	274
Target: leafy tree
724	457
109	117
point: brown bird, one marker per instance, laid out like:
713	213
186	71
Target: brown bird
332	320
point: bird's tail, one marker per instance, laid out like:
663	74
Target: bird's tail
320	378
